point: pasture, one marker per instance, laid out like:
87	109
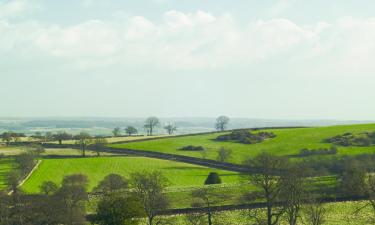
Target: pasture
96	168
6	165
287	143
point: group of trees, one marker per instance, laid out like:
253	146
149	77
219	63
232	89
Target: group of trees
150	124
289	192
56	205
120	201
9	137
245	137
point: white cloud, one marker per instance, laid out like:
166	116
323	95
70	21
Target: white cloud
198	40
14	8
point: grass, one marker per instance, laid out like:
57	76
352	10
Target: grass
115	139
6	165
96	168
343	213
287	142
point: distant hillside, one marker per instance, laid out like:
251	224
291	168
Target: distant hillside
184	124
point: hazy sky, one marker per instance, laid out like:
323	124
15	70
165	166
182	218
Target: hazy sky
281	59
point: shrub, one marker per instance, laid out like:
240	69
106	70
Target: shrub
246	137
192	148
349	139
320	151
213	178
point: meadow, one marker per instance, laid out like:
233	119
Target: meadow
96	168
287	143
6	165
342	213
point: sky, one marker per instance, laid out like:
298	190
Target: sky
271	59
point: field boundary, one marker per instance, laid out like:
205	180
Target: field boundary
180	158
28	176
204	133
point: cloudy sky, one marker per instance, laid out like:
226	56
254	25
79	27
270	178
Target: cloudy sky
280	59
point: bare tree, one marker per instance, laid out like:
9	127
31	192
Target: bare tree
222	123
62	136
267	179
294	192
224	154
150	124
370	193
170	128
131	130
98	144
314	212
149	188
83	140
116	131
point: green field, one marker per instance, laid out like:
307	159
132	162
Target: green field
287	142
343	213
96	168
6	165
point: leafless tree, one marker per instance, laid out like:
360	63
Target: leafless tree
150	189
170	128
224	154
222	123
268	180
116	131
150	124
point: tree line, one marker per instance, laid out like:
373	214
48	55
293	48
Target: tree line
288	190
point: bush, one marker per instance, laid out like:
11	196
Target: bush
192	148
349	139
246	137
320	151
213	178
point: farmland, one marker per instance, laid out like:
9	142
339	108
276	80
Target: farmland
6	165
287	142
96	168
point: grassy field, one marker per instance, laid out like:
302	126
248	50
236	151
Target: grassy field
287	142
96	168
343	213
115	139
6	165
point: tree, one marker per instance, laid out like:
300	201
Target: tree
26	161
7	137
116	131
213	178
206	198
370	192
150	124
294	192
131	130
149	187
4	208
224	154
222	123
83	140
170	128
314	212
48	188
13	180
112	183
352	179
62	136
115	209
267	179
98	144
73	197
